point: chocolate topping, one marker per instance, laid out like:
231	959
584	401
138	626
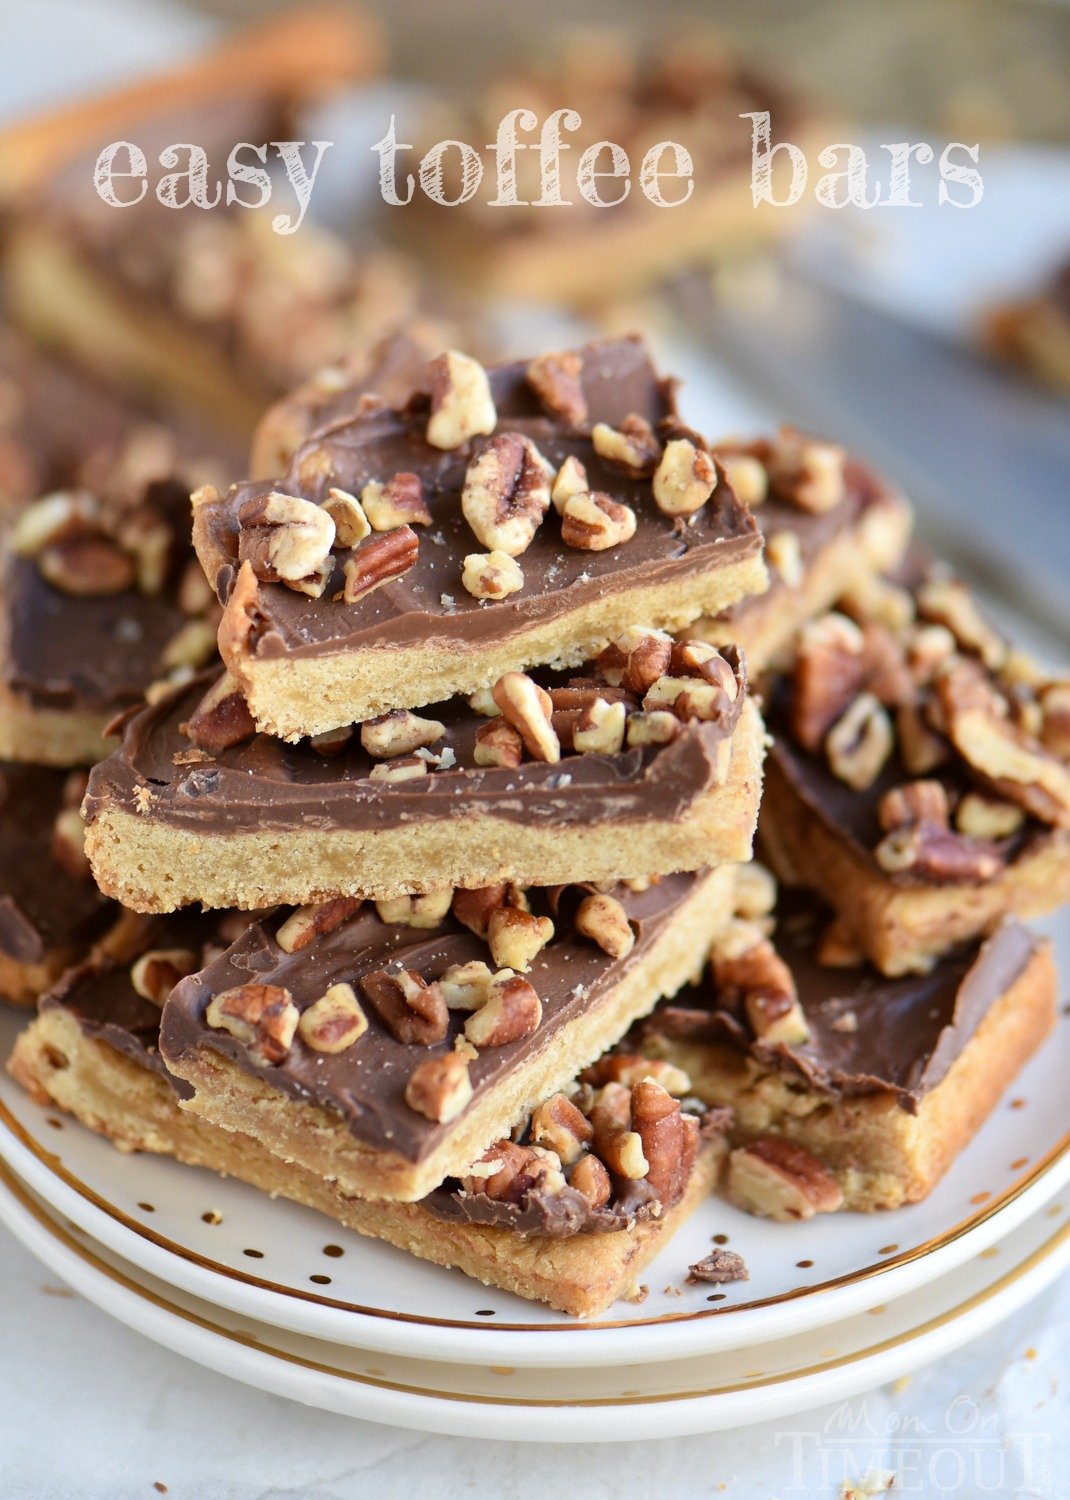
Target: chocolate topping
555	1215
429	604
365	1085
42	907
264	783
868	1034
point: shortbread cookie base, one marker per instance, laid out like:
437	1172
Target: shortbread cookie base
903	928
50	736
881	1155
151	866
292	696
137	1110
319	1141
764	628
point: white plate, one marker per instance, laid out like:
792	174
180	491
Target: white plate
291	1268
624	1402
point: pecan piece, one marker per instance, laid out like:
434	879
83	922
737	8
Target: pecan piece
921	749
505	1172
777	1179
381	559
413	1011
939	855
303	926
221	718
399	732
262	1017
398	502
631	1068
981	817
466	986
746	476
756	891
596	522
334	1021
636	659
783	553
684	479
54	518
462	406
406	768
760	978
828	674
440	1088
560	1127
284	538
603	919
555	379
860	742
600	728
155	974
571	479
669	1140
948	602
1055	718
492	575
506	493
529	709
916	802
86	567
351	525
632	446
652	729
806	472
472	908
512	1010
426	910
622	1152
590	1178
68	844
498	744
515	937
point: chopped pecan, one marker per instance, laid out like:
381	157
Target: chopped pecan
915	802
482	702
398	502
303	926
529	709
755	891
622	1152
439	1088
68	843
829	671
631	1068
806	472
506	493
555	379
600	728
55	518
155	974
603	919
596	522
783	553
283	537
406	768
498	744
950	603
505	1172
689	697
427	910
472	908
87	567
559	1126
860	742
351	525
571	479
262	1017
399	732
334	1021
191	646
332	741
381	559
466	986
875	600
515	937
492	575
413	1011
939	855
762	980
632	446
652	729
778	1179
636	659
462	406
928	648
746	476
887	674
684	479
921	749
981	817
512	1010
668	1145
590	1178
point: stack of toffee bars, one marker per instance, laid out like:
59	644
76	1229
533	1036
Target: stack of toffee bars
427	901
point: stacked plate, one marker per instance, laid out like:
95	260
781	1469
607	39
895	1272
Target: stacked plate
274	1295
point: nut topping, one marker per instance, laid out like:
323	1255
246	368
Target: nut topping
980	817
860	743
666	1141
262	1017
805	472
950	603
86	567
439	1089
777	1179
155	974
462	406
351	525
423	911
829	670
52	519
506	493
938	855
916	802
590	1178
492	575
630	1068
783	553
529	709
399	732
413	1011
498	744
68	844
512	1010
658	728
284	538
515	937
381	559
746	477
596	522
632	445
559	1126
303	926
555	379
760	978
407	768
684	479
466	986
603	919
600	728
636	659
399	502
334	1021
571	480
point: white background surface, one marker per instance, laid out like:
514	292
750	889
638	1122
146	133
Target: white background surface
90	1410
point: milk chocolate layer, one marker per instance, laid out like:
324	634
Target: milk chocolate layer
97	653
42	907
264	783
900	1036
429	604
365	1085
